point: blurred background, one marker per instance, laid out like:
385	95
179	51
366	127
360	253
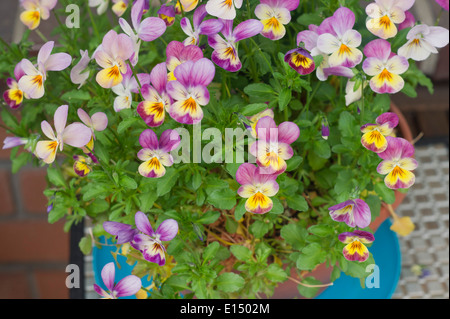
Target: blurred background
34	254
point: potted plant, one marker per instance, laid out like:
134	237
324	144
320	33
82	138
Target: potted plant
225	147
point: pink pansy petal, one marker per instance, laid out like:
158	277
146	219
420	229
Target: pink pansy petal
151	28
45	52
246	191
47	130
309	38
397	65
177	91
122	47
288	132
128	286
373	66
60	118
266	129
148	139
169	140
167	230
247	29
84	117
364	236
32	86
200	94
108	275
404	4
76	135
183	73
408	22
203	72
18	71
143	224
136	13
182	114
209	27
362	214
444	4
58	62
397	148
391	85
344	20
245	174
390	118
99	121
145	154
380	49
101	292
77	76
437	36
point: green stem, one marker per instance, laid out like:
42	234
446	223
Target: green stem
42	36
136	77
310	97
94	25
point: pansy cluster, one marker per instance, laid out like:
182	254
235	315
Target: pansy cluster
180	87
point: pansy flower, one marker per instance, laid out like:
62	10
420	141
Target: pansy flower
384	14
422	41
398	163
257	187
300	60
384	67
273	148
156	99
225	52
120	6
374	138
355	250
274	15
14	96
13	141
149	243
186	5
208	27
255	118
115	50
98	122
443	4
127	286
353	212
146	30
101	5
79	74
75	134
342	47
177	53
32	82
325	129
123	233
35	10
167	13
224	9
189	90
128	86
82	165
155	153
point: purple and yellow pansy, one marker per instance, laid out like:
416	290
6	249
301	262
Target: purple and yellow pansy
355	250
274	15
397	164
374	138
257	187
353	212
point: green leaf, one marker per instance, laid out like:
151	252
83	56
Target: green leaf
259	228
56	177
297	202
278	207
253	109
222	199
310	18
374	203
196	180
240	210
230	282
260	91
409	90
210	251
284	98
312	255
294	234
128	182
56	214
335	274
242	253
98	206
147	200
167	182
347	124
293	163
322	149
76	95
309	292
126	123
387	194
19	161
209	217
321	230
85	245
275	273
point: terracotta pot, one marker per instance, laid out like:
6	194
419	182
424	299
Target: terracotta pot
288	289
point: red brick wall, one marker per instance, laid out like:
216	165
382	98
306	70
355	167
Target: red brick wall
33	253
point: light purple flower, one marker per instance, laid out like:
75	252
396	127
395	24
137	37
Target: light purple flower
13	141
325	129
155	154
224	9
112	55
147	30
225	52
177	53
443	4
32	82
156	99
343	45
98	122
149	243
273	148
384	67
422	41
35	10
75	134
208	27
123	233
127	286
189	91
274	15
354	212
79	74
